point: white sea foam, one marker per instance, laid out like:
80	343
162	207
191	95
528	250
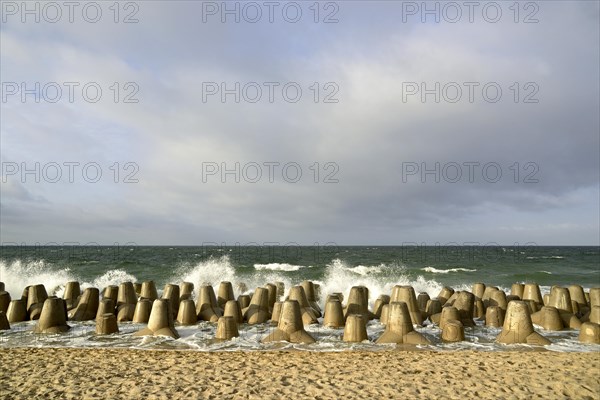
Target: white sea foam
278	267
339	277
366	270
19	274
211	271
446	271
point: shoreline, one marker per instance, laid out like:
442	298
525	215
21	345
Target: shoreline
165	373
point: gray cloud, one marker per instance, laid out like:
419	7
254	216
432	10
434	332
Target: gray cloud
370	134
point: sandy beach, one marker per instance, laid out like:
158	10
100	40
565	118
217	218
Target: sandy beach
151	374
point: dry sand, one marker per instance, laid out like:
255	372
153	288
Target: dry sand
150	374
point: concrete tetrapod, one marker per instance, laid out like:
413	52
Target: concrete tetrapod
36	296
478	309
106	307
290	327
87	307
126	294
111	292
578	295
232	309
448	314
434	306
548	318
106	324
334	314
309	316
422	300
533	306
141	314
379	303
358	302
494	316
445	294
407	295
225	293
258	310
399	327
171	293
464	303
498	298
148	291
227	328
186	290
137	287
244	301
589	333
71	294
478	289
311	296
517	290
518	327
356	329
385	314
561	299
126	301
4	325
531	291
2	286
271	295
276	312
593	315
453	331
206	309
17	311
161	321
186	314
53	318
4	301
594	296
125	312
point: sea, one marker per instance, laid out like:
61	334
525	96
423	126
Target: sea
428	268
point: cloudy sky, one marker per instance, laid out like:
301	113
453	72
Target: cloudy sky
482	126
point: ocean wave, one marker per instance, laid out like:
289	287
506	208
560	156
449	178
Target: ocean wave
278	267
211	271
339	277
19	274
366	270
446	271
544	257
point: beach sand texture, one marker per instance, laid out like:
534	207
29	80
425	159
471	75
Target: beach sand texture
68	373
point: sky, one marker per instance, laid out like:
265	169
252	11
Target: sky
358	122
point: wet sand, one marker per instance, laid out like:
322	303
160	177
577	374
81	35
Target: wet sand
152	374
